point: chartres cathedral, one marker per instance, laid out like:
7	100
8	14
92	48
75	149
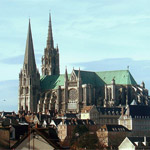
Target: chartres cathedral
64	93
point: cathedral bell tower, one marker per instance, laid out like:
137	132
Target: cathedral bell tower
29	78
50	59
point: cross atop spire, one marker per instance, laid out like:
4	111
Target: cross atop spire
50	42
29	59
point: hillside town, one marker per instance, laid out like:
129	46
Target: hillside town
105	110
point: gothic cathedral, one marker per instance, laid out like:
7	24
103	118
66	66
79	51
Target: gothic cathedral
69	93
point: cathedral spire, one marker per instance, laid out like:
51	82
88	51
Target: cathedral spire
50	59
50	42
29	59
29	78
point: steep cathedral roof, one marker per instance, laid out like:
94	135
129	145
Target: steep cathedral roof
121	77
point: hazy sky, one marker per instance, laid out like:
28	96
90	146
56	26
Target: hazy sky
112	31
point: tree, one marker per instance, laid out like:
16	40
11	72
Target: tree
77	132
84	139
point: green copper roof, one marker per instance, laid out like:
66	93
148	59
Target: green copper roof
87	77
122	77
51	82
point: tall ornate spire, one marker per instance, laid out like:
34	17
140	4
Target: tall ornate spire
29	59
29	78
50	42
50	59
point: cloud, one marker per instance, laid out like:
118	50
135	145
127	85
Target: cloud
17	60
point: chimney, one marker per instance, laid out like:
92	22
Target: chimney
63	121
36	125
122	111
40	117
87	121
145	142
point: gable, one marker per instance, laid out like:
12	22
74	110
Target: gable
73	76
36	141
126	143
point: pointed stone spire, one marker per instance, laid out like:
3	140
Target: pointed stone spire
57	48
143	84
66	75
79	75
50	42
113	81
29	59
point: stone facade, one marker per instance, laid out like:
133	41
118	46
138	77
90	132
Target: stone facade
65	93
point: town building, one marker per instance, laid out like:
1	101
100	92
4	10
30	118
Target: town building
69	93
110	136
101	115
135	143
90	112
136	118
38	139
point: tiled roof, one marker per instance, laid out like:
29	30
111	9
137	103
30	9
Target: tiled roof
8	121
86	109
109	111
114	128
122	77
57	121
69	115
50	137
138	139
138	110
78	122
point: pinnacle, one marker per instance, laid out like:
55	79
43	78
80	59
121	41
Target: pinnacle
50	43
29	59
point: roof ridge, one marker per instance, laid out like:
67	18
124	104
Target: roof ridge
112	71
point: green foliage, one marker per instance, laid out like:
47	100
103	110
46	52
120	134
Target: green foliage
88	141
77	132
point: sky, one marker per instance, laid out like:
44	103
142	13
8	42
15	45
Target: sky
95	35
